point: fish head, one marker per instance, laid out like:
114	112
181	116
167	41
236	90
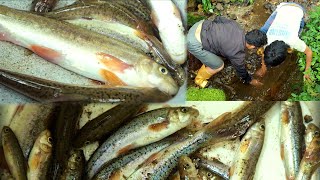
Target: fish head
6	133
45	141
76	159
182	116
158	76
186	166
258	127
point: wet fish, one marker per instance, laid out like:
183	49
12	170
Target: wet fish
207	175
75	166
187	169
146	128
124	166
311	159
43	6
49	91
248	153
227	126
13	154
68	115
29	121
6	113
87	53
5	175
166	16
215	167
182	6
291	137
106	123
311	131
40	156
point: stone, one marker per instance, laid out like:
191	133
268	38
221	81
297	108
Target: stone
219	7
233	16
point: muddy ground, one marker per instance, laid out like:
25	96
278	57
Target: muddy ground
279	82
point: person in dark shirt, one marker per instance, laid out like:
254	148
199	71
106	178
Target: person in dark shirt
210	40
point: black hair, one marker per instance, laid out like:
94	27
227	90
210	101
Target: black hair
275	53
256	38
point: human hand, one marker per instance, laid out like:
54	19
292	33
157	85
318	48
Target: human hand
307	77
256	82
261	72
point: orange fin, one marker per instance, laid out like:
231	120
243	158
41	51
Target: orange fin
282	152
46	53
116	175
111	78
125	149
244	146
285	117
113	63
159	126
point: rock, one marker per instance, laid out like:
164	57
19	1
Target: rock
249	66
226	1
192	4
233	16
219	7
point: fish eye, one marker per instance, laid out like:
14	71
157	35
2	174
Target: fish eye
209	174
50	139
78	158
6	130
163	70
87	143
316	134
262	127
184	110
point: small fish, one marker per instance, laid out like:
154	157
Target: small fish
144	129
311	131
166	16
207	175
227	126
124	166
67	118
75	166
40	155
84	52
29	121
43	6
291	138
187	169
182	6
248	153
7	111
13	154
106	123
311	159
215	167
49	91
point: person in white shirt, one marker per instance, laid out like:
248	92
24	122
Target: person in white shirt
283	29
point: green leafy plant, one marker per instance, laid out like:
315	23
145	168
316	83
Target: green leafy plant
207	6
207	94
192	19
311	36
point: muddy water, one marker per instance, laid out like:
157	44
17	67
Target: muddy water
278	83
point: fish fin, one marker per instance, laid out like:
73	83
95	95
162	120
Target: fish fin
152	158
112	63
116	175
154	18
125	149
46	53
231	171
282	151
244	146
159	126
111	78
285	116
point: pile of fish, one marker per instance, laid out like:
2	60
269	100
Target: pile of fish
132	144
133	45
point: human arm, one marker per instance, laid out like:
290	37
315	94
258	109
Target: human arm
308	53
262	71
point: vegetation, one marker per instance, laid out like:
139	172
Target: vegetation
192	19
311	35
206	94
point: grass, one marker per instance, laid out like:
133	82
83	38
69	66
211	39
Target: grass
207	94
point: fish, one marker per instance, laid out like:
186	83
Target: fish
207	175
144	129
246	159
187	169
215	167
311	159
47	91
311	131
226	126
166	16
75	166
40	156
84	52
106	123
7	111
182	6
67	118
5	175
29	121
124	166
13	154
43	6
291	137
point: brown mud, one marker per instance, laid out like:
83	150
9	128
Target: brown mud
278	83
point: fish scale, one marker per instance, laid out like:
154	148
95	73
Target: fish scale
146	128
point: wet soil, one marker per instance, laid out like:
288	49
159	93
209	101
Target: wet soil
278	83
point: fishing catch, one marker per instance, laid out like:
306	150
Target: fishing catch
87	53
